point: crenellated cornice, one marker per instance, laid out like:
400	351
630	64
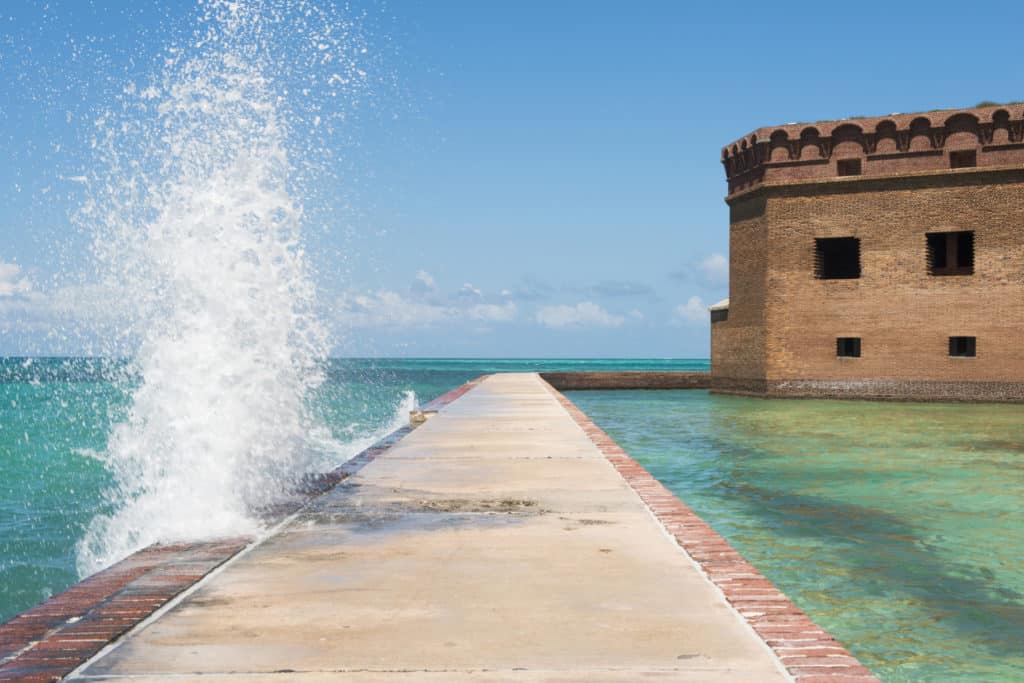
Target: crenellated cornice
796	151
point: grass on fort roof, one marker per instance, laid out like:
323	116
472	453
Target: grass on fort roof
990	103
979	105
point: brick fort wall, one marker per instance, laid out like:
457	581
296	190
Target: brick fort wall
784	320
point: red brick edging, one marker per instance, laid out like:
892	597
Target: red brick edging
580	380
51	640
445	399
809	653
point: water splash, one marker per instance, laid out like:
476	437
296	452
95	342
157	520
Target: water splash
198	229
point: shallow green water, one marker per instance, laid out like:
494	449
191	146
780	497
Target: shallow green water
897	527
55	412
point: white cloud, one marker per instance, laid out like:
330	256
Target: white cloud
74	318
493	312
693	311
12	281
424	282
86	303
714	270
584	314
422	305
386	308
469	291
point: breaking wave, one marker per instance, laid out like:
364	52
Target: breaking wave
197	229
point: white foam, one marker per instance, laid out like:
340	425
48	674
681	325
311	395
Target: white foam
197	229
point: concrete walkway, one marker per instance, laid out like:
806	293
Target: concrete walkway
493	543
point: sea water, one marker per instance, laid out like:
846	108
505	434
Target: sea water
895	526
899	527
56	415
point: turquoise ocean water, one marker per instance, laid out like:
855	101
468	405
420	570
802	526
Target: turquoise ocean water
899	527
896	526
56	413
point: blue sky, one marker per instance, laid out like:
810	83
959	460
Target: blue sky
523	179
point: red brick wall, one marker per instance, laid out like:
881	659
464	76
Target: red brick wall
903	315
737	349
643	379
780	336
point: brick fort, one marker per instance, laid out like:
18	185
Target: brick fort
876	258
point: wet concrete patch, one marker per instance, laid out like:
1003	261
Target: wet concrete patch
371	509
588	522
506	505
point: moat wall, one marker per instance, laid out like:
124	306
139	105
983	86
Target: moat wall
579	381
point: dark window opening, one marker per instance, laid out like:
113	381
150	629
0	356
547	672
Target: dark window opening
962	346
837	258
950	253
848	166
719	315
848	347
963	159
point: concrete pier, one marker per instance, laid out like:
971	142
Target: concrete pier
495	542
506	539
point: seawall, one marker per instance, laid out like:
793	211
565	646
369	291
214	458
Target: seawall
580	381
903	391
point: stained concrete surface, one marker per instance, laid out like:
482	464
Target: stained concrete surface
493	543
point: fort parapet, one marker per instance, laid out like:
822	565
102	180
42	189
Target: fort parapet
876	257
884	146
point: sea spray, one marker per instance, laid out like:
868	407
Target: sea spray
197	232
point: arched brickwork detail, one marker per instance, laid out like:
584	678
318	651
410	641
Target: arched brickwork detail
1000	127
810	144
890	145
920	135
886	137
848	141
780	146
962	131
847	132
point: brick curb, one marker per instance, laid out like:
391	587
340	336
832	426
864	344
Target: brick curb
809	653
446	399
50	640
580	380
